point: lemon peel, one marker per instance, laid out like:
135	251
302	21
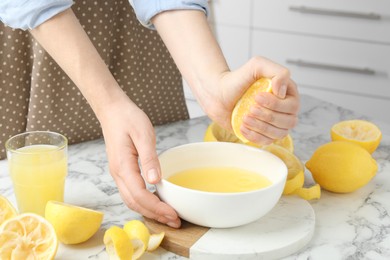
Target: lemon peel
246	102
73	224
139	236
361	132
118	244
342	166
155	241
27	236
7	211
296	177
311	193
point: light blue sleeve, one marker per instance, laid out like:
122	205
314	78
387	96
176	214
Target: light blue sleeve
28	14
146	9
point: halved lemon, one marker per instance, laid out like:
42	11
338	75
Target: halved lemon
27	236
73	224
296	176
246	102
215	133
7	211
139	236
361	132
118	244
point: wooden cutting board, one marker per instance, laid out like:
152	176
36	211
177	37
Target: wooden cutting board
282	232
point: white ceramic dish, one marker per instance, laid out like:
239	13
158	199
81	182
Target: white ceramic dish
221	210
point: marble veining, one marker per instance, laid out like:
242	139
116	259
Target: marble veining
348	226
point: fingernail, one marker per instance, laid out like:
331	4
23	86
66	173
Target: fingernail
282	91
170	217
153	175
173	224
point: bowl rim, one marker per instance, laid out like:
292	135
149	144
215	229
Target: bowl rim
166	182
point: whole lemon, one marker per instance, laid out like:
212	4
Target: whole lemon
342	166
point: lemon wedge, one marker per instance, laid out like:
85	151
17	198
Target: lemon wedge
139	236
73	224
7	211
342	166
361	132
27	236
296	176
246	102
118	244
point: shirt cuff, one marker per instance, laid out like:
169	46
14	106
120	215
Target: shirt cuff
146	9
25	15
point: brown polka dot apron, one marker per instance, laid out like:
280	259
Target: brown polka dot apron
35	94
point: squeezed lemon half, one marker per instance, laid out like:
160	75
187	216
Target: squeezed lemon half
246	102
361	132
215	133
7	211
27	236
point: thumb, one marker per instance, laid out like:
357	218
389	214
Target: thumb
279	86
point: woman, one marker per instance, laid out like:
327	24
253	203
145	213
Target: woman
125	122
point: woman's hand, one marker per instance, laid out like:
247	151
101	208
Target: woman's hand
274	114
129	137
217	89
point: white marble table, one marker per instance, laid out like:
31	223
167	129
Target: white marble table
348	226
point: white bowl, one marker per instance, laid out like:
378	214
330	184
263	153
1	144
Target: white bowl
221	210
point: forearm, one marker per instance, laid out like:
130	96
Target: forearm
192	45
65	40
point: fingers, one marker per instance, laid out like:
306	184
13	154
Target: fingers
272	117
134	193
279	74
146	147
148	204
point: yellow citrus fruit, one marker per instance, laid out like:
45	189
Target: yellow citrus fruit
215	133
73	224
361	132
27	236
246	102
7	211
342	166
155	241
296	176
118	244
286	142
139	236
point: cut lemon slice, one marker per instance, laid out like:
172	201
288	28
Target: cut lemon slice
296	176
27	236
246	102
73	224
361	132
139	236
155	241
7	211
118	244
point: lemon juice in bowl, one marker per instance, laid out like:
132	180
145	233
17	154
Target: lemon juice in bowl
220	179
38	168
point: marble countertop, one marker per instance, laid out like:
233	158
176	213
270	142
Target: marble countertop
348	226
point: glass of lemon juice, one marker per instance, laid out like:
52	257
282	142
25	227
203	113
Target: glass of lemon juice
38	167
